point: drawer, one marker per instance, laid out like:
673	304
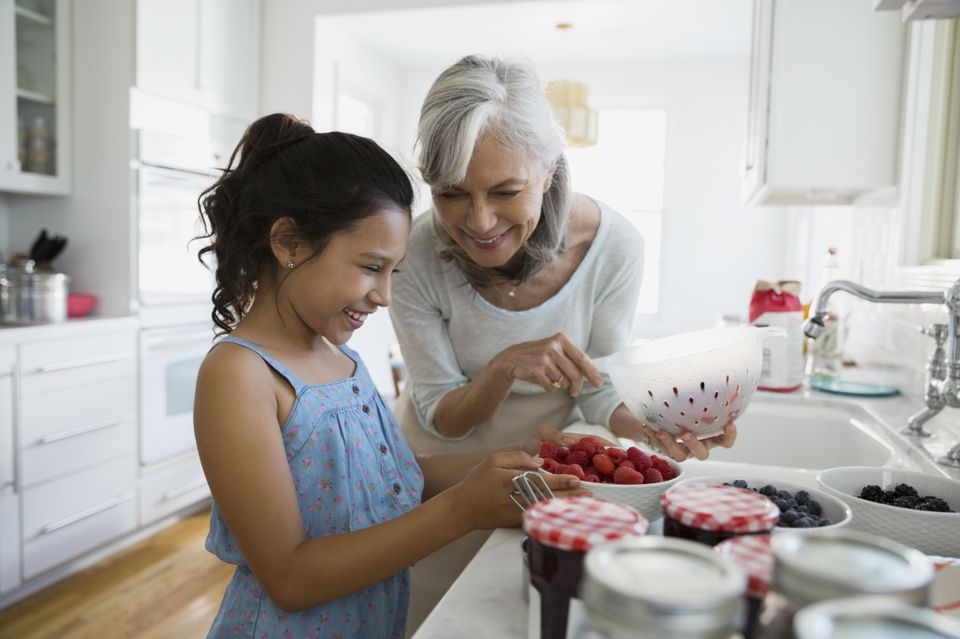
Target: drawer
6	418
67	430
9	541
42	384
171	487
66	518
67	354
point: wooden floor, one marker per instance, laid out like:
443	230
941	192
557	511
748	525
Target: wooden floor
164	587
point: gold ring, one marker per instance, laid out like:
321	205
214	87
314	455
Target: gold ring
559	383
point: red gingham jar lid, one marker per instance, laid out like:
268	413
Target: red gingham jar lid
753	555
580	523
719	508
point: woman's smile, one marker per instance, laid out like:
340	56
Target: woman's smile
488	243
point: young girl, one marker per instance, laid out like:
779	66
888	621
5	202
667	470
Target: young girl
317	497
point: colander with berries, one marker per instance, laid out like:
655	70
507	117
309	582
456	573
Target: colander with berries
625	476
691	382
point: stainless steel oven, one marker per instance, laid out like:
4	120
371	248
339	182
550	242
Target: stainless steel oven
169	360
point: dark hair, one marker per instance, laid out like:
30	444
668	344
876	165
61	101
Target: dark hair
324	182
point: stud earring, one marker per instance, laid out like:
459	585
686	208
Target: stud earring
290	264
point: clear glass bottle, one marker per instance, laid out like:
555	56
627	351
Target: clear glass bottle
825	354
872	617
659	588
810	568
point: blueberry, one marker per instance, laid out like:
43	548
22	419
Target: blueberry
768	490
784	494
814	507
781	504
802	496
740	483
803	509
825	522
788	517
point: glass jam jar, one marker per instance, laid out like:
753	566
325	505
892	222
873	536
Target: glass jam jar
711	513
561	532
753	555
659	588
814	567
872	617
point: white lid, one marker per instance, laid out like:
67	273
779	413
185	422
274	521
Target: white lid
872	617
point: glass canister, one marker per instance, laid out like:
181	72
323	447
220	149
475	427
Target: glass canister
753	555
561	531
871	618
711	513
810	568
659	588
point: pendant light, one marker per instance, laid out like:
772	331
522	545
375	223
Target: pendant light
569	101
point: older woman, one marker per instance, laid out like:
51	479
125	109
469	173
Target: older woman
512	283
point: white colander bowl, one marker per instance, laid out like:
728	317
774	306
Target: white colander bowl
695	381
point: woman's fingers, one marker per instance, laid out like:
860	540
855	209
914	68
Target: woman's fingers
572	375
581	361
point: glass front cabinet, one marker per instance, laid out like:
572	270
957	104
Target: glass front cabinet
34	96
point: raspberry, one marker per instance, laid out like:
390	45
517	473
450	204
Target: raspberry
592	477
589	445
616	454
578	457
550	465
652	476
572	469
549	450
664	467
562	454
627	476
639	458
604	464
628	464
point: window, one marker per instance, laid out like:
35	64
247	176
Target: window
625	170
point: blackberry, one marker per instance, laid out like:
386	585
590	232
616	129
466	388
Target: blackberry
905	490
872	493
933	504
906	501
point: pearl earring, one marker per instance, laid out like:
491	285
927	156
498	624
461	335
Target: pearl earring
290	264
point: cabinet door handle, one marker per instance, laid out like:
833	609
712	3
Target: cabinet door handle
51	368
183	490
86	514
76	432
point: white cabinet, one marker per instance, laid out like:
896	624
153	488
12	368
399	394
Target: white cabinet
35	91
201	52
169	487
824	102
9	501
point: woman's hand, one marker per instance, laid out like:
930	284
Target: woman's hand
483	497
625	424
553	363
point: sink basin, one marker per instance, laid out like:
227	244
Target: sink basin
810	435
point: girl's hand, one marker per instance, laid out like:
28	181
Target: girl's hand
549	434
483	497
553	363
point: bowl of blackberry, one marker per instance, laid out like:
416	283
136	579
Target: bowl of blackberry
802	508
912	507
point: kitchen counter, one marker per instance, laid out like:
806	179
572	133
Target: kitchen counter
486	600
71	328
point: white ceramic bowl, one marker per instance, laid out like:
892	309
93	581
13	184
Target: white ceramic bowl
931	532
644	497
833	507
694	382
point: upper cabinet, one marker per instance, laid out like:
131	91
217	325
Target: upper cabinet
201	52
35	96
824	102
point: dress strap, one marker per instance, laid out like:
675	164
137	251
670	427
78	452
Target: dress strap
272	362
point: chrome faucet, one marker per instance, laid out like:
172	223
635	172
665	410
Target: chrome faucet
943	369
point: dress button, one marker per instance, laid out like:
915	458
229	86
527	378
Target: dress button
356	390
383	448
366	409
396	489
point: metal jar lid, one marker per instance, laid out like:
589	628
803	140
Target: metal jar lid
843	563
872	617
668	587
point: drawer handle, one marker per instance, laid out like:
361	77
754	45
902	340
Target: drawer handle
86	514
183	490
50	368
6	374
76	432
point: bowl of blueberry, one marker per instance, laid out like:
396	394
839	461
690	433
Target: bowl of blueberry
908	506
802	508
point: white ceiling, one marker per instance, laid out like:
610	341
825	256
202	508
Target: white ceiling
604	31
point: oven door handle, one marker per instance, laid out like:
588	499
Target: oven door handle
176	341
51	368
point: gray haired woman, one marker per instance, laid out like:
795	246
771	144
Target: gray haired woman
512	283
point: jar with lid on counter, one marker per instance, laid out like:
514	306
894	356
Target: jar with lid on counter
659	588
711	513
561	531
870	618
811	568
753	555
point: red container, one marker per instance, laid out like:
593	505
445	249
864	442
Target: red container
80	304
